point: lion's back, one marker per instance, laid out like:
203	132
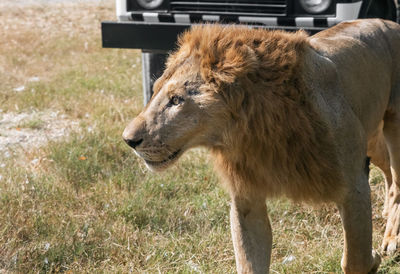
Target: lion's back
366	58
371	34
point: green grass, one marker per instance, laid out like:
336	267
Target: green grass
90	205
35	123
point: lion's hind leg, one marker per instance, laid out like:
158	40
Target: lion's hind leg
355	212
391	130
379	154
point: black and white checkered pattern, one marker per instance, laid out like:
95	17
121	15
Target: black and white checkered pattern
301	22
344	12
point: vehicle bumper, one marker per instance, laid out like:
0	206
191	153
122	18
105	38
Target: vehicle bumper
157	37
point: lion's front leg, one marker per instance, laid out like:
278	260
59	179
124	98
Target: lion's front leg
251	235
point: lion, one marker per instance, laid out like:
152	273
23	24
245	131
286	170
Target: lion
285	114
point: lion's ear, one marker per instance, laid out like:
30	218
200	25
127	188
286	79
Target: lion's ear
227	65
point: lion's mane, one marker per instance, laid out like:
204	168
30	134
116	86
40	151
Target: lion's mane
277	143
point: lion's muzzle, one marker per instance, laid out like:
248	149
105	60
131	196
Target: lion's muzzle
134	134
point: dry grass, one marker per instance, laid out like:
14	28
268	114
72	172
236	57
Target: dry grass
86	204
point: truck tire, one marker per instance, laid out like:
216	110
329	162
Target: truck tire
153	65
385	9
398	11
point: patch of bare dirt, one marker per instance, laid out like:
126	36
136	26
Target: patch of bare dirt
9	3
32	130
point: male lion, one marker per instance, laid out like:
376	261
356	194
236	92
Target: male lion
285	114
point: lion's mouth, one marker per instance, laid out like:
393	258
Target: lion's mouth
170	158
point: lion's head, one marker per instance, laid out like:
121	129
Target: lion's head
184	112
203	99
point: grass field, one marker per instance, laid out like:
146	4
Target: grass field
86	203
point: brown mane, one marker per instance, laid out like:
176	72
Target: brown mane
274	139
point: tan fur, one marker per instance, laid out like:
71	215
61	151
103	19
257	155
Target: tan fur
283	114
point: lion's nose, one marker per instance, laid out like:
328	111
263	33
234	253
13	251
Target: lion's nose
133	143
134	134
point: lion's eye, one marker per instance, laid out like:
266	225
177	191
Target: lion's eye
175	100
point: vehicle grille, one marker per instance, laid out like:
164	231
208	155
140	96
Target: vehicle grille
264	7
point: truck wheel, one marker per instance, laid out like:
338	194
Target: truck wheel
398	11
153	65
385	9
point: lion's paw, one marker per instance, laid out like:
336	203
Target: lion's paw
391	239
377	262
390	244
